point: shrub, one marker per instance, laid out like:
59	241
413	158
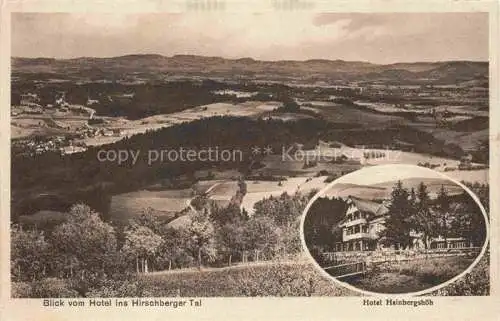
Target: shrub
20	290
132	288
476	282
272	279
322	173
52	288
330	179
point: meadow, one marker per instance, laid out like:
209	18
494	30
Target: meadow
268	279
165	203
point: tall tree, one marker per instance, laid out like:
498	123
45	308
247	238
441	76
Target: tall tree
321	223
30	254
398	224
283	209
443	209
425	220
142	243
201	239
173	251
85	241
263	235
231	239
468	220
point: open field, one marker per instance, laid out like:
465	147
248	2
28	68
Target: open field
34	127
463	110
388	157
133	127
26	125
201	187
164	203
216	174
468	141
412	276
480	176
222	192
20	132
282	165
49	122
343	114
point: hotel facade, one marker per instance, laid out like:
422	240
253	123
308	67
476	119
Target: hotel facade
364	221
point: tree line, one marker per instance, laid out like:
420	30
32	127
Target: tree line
447	216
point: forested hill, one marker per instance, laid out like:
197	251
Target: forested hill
83	174
430	72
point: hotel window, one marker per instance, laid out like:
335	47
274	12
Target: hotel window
356	229
364	229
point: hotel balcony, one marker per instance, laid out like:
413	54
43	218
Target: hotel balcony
356	236
355	222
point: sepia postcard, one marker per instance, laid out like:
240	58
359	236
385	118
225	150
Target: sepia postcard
281	160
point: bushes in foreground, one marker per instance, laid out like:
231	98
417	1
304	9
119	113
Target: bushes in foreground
44	288
474	283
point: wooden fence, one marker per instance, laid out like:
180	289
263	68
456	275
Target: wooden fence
338	258
346	270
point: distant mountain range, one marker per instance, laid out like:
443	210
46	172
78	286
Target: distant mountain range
449	72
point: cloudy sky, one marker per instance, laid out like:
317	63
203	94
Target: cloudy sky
378	38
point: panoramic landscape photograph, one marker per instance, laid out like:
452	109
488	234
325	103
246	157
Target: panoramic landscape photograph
163	155
402	230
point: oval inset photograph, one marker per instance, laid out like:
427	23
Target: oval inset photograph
395	229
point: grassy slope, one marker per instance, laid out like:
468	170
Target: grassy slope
284	279
269	279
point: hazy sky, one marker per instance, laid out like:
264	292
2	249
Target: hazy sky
379	38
